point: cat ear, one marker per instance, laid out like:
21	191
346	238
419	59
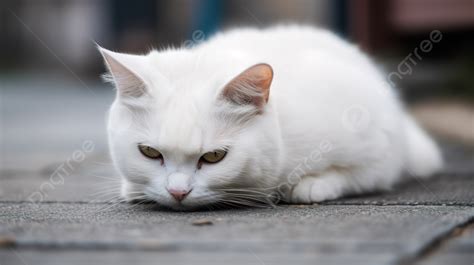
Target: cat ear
251	87
127	81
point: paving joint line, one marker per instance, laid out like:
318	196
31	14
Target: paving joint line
437	243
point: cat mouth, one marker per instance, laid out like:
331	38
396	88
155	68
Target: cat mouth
187	204
212	201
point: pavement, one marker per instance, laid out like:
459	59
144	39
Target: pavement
74	217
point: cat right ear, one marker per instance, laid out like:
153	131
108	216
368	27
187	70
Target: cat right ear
251	87
128	82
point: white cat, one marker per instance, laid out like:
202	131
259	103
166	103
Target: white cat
290	112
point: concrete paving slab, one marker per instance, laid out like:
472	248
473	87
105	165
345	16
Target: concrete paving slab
191	258
248	257
445	189
44	120
371	235
92	180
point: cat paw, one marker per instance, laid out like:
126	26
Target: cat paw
315	189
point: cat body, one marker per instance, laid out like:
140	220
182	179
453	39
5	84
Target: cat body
296	113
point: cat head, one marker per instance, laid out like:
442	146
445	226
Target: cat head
187	133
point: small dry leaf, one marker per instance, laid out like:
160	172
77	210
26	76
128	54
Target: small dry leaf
6	241
201	222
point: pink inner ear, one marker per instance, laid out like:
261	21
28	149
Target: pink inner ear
263	74
252	86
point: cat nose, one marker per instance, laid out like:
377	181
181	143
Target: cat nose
179	195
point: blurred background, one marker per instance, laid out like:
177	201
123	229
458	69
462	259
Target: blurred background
52	98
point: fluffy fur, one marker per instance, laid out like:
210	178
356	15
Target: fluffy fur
332	125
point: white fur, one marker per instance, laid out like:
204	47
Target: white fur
332	125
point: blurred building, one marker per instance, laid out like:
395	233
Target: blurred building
32	31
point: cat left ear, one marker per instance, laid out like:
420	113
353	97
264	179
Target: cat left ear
120	65
251	87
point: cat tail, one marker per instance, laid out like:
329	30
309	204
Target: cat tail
423	157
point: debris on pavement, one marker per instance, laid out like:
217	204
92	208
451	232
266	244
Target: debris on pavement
202	222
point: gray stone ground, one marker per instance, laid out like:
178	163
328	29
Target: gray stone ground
77	221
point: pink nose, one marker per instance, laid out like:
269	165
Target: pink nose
179	195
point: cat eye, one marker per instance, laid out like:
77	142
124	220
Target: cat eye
214	156
149	152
